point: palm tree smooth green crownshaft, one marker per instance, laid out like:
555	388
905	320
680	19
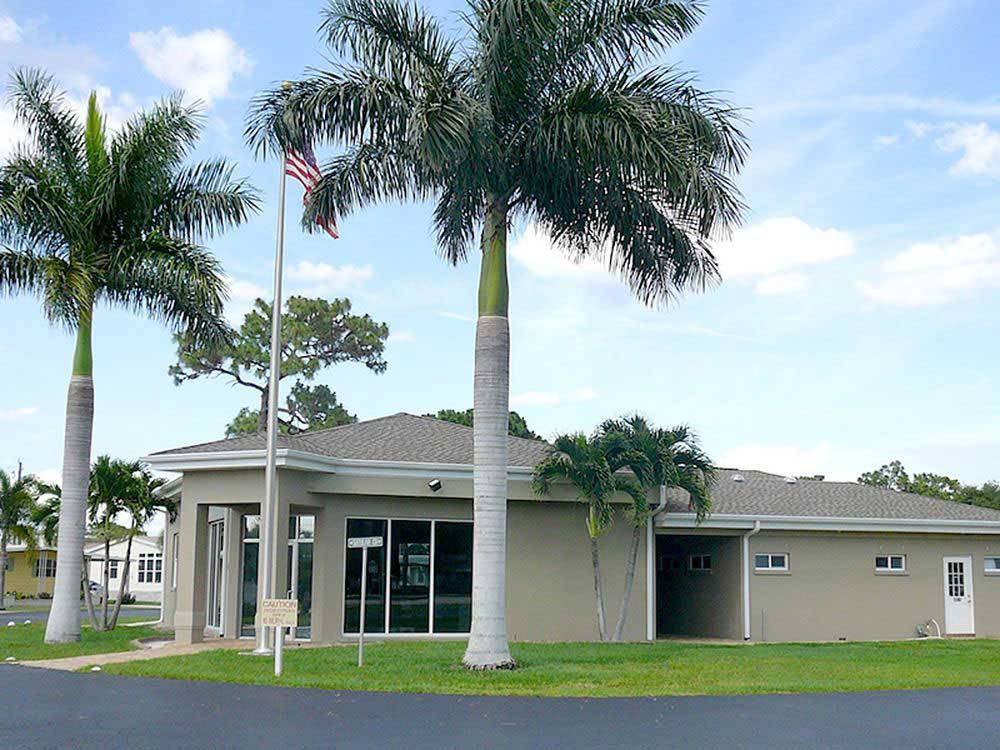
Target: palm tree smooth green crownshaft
548	111
88	218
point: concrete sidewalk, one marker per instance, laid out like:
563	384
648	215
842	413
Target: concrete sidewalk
168	648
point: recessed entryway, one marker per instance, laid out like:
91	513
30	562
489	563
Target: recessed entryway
959	607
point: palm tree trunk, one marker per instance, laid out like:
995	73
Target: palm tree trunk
123	581
488	647
63	625
106	578
85	582
3	570
595	559
633	553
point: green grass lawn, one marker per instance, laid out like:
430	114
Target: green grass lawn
574	669
27	642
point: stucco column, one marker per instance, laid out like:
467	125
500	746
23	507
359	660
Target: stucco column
189	617
232	555
323	566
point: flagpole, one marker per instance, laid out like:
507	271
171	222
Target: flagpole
268	508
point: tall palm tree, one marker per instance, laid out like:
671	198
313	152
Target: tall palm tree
592	466
17	500
545	111
662	458
88	217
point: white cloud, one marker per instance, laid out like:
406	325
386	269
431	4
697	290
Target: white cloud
323	278
245	291
10	132
10	32
778	245
553	398
782	283
535	252
456	316
964	250
13	415
401	337
886	140
979	146
936	273
835	463
202	63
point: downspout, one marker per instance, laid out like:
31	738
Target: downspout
651	567
746	579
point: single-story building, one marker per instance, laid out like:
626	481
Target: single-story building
30	573
145	571
778	559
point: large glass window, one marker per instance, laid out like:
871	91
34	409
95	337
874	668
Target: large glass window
375	585
299	573
410	577
423	556
452	577
248	582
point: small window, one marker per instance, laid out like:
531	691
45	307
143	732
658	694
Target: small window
44	569
992	566
113	570
890	563
700	563
8	564
770	561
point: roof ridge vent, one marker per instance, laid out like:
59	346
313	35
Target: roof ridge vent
737	477
791	480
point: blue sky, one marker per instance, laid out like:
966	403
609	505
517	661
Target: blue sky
858	319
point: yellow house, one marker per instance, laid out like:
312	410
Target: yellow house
30	573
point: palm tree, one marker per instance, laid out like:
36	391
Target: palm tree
88	217
587	464
17	500
660	458
141	504
545	111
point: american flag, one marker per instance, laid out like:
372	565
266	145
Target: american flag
302	166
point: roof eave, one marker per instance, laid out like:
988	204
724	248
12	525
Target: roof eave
828	523
302	460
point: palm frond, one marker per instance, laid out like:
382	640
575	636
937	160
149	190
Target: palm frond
178	283
204	200
388	34
51	124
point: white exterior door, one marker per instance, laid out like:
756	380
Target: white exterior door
959	612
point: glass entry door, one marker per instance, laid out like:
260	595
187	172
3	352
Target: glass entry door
216	534
298	582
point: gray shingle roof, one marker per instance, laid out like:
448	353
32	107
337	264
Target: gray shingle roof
763	494
399	437
409	438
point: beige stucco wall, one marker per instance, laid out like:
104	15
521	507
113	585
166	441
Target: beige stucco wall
833	592
549	581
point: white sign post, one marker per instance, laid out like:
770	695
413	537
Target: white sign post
363	542
279	614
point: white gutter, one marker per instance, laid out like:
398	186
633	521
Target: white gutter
746	579
651	567
829	523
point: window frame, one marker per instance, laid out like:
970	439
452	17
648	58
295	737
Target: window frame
771	568
150	568
387	544
889	570
701	568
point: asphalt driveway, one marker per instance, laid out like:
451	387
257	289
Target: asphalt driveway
43	709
